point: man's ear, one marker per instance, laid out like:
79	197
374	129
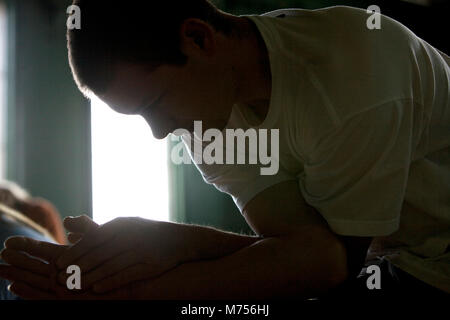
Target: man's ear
197	37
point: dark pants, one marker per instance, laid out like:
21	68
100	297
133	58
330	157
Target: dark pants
396	286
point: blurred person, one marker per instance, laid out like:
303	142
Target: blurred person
23	215
37	209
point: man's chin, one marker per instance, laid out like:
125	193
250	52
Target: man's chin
160	135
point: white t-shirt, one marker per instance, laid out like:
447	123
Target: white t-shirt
364	125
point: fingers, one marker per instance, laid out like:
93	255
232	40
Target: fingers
40	249
37	287
101	254
74	237
112	267
28	292
92	239
31	286
125	277
81	224
15	274
25	262
107	269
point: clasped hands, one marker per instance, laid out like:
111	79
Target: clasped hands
112	258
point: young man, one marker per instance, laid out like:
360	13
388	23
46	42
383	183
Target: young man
364	152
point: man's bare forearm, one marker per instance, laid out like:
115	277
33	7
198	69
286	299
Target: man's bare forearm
203	243
270	267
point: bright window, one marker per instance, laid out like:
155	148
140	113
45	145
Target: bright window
129	167
3	76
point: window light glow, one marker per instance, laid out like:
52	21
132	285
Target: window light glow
129	167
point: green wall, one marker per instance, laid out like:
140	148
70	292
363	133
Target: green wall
48	119
194	201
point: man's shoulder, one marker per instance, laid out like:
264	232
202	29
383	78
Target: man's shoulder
342	28
297	12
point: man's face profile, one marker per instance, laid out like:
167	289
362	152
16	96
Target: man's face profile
170	96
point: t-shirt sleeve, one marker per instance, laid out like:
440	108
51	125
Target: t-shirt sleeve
356	174
241	181
244	182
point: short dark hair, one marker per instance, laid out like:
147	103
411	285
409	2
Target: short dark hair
141	31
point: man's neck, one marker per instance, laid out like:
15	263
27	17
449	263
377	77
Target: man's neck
252	66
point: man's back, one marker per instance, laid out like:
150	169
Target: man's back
364	120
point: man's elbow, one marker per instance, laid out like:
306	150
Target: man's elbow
327	264
338	265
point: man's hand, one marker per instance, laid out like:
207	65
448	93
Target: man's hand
120	252
33	274
78	227
31	268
